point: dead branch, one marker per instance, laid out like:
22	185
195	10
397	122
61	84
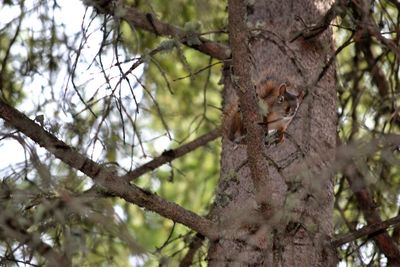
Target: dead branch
104	176
149	22
12	228
194	246
367	230
364	199
170	155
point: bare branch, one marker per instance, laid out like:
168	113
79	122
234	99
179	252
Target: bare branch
136	18
368	230
104	176
194	246
170	155
11	228
314	30
7	53
378	76
367	205
148	22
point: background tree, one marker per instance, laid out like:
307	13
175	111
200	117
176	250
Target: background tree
104	105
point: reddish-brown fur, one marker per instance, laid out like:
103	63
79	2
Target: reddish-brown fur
277	106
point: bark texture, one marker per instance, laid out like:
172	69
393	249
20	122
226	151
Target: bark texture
298	228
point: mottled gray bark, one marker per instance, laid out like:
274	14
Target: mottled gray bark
297	228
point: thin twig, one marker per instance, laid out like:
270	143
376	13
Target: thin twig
104	176
170	155
135	18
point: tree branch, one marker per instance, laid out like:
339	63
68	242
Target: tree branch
194	246
377	74
316	29
11	228
364	199
104	176
170	155
371	229
149	23
244	88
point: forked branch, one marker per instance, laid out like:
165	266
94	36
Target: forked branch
104	176
149	22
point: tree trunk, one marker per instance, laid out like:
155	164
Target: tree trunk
298	229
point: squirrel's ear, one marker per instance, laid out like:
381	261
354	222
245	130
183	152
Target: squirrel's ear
282	89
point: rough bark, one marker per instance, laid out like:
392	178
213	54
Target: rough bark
299	178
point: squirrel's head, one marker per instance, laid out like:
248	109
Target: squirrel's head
287	102
275	97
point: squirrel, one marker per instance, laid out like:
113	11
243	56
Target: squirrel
276	104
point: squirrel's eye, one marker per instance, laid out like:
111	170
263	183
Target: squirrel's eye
281	98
